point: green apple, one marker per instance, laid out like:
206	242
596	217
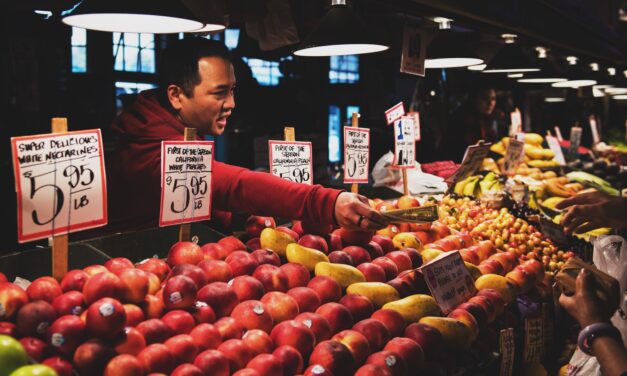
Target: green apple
34	370
12	354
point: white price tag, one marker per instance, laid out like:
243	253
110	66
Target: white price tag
575	141
185	181
594	128
449	281
291	160
404	143
60	183
414	51
555	147
515	122
558	133
356	154
416	116
395	112
512	157
473	157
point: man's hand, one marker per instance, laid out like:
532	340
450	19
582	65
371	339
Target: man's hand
584	306
352	211
589	211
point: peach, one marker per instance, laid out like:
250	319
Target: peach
203	313
406	202
496	299
92	270
306	298
338	316
487	304
152	306
374	330
340	257
196	273
91	357
212	362
318	325
294	333
154	331
408	350
315	242
184	253
327	288
219	296
187	370
332	355
206	336
247	288
255	224
507	259
136	283
74	280
102	285
389	267
66	333
229	328
134	315
477	312
290	358
242	263
372	370
266	365
491	267
105	318
360	306
401	259
389	232
252	314
372	272
293	234
216	270
465	318
485	249
179	321
429	338
272	277
266	256
157	358
521	278
440	229
154	265
258	341
124	365
358	254
393	321
231	243
297	274
236	351
154	284
214	251
470	255
355	342
390	360
385	242
118	264
280	305
130	341
374	249
425	237
179	292
43	288
183	348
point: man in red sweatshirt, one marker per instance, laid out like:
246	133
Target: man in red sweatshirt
197	85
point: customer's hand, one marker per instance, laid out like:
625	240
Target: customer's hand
584	306
589	211
352	211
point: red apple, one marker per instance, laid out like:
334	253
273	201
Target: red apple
35	348
441	230
203	313
134	315
74	280
124	365
522	279
416	280
466	318
374	249
408	350
507	259
314	228
247	288
355	237
187	370
61	366
66	333
469	255
154	284
152	306
266	365
236	351
327	288
390	268
297	274
255	224
91	357
136	283
212	362
317	370
242	263
335	242
491	266
44	288
106	318
252	314
215	251
534	267
272	277
3	278
34	318
130	341
340	257
358	254
179	321
103	285
157	358
372	370
392	320
229	328
118	264
286	230
266	256
184	253
220	297
333	356
338	316
315	242
307	299
390	360
318	325
258	341
385	242
290	359
355	342
425	237
401	259
294	333
216	270
360	306
8	329
196	273
183	348
92	270
487	304
156	266
428	337
231	243
280	306
179	292
206	336
485	249
253	243
496	299
374	330
154	331
372	272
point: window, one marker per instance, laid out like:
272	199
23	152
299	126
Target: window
79	50
124	88
231	38
266	72
334	134
344	69
134	52
349	112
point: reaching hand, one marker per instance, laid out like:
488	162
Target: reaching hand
589	211
352	211
584	306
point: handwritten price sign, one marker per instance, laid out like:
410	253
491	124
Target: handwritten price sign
356	154
513	155
185	181
291	160
555	147
449	281
470	164
60	184
404	143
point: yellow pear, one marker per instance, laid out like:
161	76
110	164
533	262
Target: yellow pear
406	240
345	275
429	254
275	240
308	257
504	286
455	334
414	307
379	293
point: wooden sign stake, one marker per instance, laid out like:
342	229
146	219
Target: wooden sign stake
59	242
289	134
355	124
405	185
185	229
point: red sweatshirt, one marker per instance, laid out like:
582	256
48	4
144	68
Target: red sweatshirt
134	176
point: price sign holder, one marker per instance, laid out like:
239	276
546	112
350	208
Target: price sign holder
512	156
59	242
185	229
558	133
289	134
575	141
449	281
470	164
365	133
556	148
594	129
507	347
294	147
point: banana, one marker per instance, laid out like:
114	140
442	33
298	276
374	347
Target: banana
533	139
469	188
551	202
542	163
498	148
459	186
557	189
590	180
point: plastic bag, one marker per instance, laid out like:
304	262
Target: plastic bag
384	174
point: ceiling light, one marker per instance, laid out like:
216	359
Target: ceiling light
554	99
134	16
574	84
209	28
594	67
611	71
572	60
46	13
541	52
478	67
616	90
541	80
603	86
447	50
340	32
510	59
515	75
621	97
546	75
509	38
443	23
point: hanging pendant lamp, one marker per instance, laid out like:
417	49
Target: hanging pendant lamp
448	50
510	59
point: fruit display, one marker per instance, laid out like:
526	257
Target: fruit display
535	155
478	185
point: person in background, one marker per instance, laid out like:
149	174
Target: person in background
474	120
197	86
589	211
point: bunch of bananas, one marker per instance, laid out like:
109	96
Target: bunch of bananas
477	185
535	154
561	187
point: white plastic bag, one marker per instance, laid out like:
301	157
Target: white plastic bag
419	182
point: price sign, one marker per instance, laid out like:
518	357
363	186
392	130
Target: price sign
291	160
473	157
507	347
449	281
414	51
395	112
558	133
515	122
534	340
512	157
416	116
404	143
555	147
594	128
185	181
60	183
356	154
553	231
575	141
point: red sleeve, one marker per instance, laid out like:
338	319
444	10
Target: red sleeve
262	193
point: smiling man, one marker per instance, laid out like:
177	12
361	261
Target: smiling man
197	85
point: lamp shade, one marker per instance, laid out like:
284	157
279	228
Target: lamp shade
449	50
134	16
340	32
546	75
510	59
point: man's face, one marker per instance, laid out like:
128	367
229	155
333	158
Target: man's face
213	100
486	101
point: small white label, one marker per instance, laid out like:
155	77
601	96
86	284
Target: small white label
390	360
42	327
395	113
258	309
176	297
230	282
307	323
267	223
106	309
200	304
57	339
317	369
